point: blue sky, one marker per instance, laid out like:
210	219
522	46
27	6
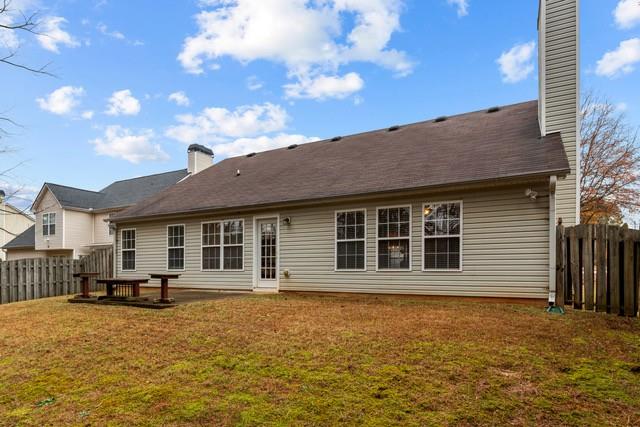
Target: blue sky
301	70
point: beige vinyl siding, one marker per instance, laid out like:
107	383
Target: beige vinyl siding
49	204
12	223
101	229
504	247
151	255
13	254
561	92
78	231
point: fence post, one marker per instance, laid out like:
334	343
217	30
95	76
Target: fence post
629	284
574	243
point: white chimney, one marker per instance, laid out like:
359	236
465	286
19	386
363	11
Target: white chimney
199	158
559	92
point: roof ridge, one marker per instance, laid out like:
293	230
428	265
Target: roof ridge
144	176
386	128
73	188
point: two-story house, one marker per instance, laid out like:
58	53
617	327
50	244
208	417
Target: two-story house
72	221
13	222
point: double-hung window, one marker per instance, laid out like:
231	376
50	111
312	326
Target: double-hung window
49	224
394	238
351	240
233	244
442	223
211	245
175	247
128	250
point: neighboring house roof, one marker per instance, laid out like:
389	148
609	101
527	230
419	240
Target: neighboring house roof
24	240
117	195
468	148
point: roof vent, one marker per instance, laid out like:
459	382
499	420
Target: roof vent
493	110
237	172
251	154
292	146
393	128
440	119
336	138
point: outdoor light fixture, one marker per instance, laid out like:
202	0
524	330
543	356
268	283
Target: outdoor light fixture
427	210
286	220
531	194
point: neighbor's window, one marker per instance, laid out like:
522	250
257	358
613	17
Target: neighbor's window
128	251
175	247
394	238
350	240
211	246
442	236
233	245
49	224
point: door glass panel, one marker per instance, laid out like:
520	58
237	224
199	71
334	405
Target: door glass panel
268	246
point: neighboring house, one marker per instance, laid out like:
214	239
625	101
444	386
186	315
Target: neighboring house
464	205
13	222
72	221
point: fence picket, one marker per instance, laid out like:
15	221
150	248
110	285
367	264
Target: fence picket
576	284
587	264
614	270
601	267
628	284
560	265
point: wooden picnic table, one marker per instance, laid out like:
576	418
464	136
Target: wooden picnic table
164	285
85	282
123	287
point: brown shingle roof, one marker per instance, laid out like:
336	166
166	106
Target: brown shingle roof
466	148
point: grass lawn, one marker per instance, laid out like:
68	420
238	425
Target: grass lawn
316	360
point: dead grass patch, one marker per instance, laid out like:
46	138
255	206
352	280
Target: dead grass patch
316	360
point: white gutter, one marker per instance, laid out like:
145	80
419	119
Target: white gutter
552	239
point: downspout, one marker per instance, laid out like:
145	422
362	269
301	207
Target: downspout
115	245
552	246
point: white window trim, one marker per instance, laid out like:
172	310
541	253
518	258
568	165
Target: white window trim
335	240
410	237
184	247
244	261
48	215
135	250
202	246
442	270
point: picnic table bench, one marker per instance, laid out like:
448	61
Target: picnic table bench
164	285
122	287
85	282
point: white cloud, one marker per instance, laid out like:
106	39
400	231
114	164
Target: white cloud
87	115
620	61
217	124
115	34
62	100
122	143
50	34
627	13
462	5
307	37
517	63
263	143
123	102
254	83
323	87
180	98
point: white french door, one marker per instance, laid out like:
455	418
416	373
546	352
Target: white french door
266	254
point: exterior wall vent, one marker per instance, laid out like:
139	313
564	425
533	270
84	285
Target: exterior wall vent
493	110
393	128
292	146
440	119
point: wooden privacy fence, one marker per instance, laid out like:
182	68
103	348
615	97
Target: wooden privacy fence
33	278
598	268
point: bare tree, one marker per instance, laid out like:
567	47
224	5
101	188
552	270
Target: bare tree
610	162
